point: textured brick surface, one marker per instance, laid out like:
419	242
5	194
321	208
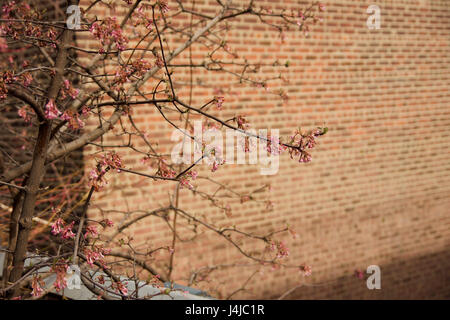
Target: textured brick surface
377	190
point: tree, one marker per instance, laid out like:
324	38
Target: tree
83	81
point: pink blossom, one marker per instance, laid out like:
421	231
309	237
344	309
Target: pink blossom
215	166
73	120
194	174
321	7
65	116
93	175
242	123
91	256
8	7
120	287
159	61
23	113
51	111
91	230
305	157
141	66
306	270
60	283
185	183
27	79
274	146
108	32
109	223
73	93
37	286
219	101
96	254
56	226
110	160
163	6
3	91
96	179
283	251
61	271
301	15
67	231
359	274
164	170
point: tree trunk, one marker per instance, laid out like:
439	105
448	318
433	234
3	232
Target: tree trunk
37	168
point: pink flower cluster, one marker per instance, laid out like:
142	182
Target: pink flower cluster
120	287
96	179
61	270
73	120
274	145
91	231
159	61
37	285
137	68
65	231
164	170
51	111
301	18
321	7
141	17
96	254
140	67
26	79
110	160
214	155
219	101
6	78
242	123
303	141
7	8
306	270
184	181
107	223
280	247
108	32
19	20
359	274
69	90
25	113
163	6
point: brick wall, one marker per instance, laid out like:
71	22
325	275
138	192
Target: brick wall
377	190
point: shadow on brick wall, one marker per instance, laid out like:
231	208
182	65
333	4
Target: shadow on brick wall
423	277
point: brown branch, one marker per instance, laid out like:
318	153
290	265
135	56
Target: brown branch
140	263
